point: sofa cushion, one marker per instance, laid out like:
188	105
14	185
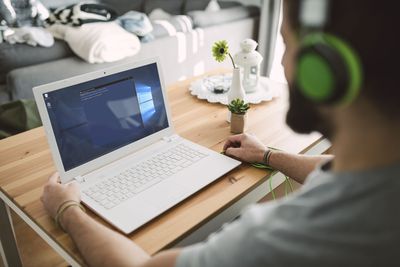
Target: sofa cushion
20	55
209	18
179	23
171	6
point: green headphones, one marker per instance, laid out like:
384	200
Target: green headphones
328	69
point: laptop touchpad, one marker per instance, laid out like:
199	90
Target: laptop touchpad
167	194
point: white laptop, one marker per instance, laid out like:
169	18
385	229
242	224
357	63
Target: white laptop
111	131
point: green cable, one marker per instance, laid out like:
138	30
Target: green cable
288	183
262	166
286	187
271	189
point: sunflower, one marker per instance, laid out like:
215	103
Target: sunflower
220	50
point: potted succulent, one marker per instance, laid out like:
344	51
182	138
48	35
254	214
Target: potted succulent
238	109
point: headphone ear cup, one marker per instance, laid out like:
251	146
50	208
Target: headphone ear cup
325	70
315	78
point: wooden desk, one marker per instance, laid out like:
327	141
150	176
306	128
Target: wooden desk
26	164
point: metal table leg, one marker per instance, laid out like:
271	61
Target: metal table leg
8	246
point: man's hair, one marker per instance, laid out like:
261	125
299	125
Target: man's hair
370	27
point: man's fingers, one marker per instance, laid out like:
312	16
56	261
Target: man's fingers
54	178
235	152
232	141
236	138
227	144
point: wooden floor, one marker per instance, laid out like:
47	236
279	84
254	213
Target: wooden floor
35	252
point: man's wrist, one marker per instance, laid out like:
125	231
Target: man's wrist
266	156
68	215
260	156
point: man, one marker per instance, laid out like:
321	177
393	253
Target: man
344	215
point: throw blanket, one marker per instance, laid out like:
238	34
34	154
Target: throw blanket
30	35
76	15
135	22
98	42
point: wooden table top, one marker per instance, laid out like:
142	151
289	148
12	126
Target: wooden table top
26	164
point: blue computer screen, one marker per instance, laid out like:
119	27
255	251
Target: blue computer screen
94	118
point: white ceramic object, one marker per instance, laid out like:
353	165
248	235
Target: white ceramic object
236	90
249	60
267	90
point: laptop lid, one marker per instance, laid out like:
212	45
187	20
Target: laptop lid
99	117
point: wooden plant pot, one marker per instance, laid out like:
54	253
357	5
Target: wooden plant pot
238	123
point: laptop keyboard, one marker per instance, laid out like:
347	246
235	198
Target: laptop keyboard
123	186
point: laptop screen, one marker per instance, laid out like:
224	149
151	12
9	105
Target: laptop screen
97	117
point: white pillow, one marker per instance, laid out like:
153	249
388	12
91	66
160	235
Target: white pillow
159	14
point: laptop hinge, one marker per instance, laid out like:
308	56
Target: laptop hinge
171	138
80	179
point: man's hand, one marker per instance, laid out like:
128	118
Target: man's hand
54	194
245	147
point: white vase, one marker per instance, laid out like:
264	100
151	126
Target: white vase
236	90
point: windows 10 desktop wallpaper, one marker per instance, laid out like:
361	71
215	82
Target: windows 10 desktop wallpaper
94	118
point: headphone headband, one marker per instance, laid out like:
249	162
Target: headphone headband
314	14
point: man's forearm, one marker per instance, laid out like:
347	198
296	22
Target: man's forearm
297	167
99	245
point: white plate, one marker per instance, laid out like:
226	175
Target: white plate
267	90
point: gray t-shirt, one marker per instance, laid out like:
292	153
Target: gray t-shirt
335	219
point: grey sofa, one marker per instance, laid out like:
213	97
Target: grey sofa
23	67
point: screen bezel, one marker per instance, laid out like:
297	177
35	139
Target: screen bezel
67	176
